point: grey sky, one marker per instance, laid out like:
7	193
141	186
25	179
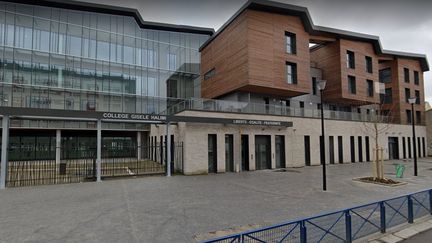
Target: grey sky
403	25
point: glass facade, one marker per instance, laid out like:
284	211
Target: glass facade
56	58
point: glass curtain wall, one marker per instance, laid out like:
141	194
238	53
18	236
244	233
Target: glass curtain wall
75	60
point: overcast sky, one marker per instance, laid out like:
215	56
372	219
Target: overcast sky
403	25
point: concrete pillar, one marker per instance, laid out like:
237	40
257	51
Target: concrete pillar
252	164
58	146
220	138
139	152
273	151
4	151
99	150
237	151
168	149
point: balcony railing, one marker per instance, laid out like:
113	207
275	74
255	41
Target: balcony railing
263	109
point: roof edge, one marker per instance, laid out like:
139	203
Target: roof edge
115	10
303	14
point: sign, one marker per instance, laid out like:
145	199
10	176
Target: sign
133	116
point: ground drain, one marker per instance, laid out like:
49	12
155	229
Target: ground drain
287	170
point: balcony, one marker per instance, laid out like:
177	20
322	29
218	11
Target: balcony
274	110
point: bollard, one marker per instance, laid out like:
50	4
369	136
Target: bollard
410	210
382	217
348	228
303	235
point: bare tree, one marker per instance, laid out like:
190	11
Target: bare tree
380	121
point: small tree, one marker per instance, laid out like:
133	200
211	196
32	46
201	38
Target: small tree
379	122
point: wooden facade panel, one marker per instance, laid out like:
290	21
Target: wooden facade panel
227	54
267	52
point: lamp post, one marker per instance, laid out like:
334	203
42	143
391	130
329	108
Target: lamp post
412	101
321	86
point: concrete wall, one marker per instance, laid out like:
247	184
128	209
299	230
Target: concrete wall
195	138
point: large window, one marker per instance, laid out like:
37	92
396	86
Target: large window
370	88
408	116
385	75
291	73
95	61
416	78
417	95
291	45
406	75
369	67
314	86
352	89
407	95
387	98
350	59
418	117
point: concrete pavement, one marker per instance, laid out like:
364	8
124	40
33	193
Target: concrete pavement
187	208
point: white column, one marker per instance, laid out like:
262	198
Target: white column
139	152
99	150
58	146
168	148
4	150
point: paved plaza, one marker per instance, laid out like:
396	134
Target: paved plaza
187	208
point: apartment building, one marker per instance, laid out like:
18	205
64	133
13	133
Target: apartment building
76	77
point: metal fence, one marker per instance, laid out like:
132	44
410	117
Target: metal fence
116	162
342	226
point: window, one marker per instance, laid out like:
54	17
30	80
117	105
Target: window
340	149
350	59
416	78
385	75
370	88
314	86
307	150
352	85
417	95
418	117
406	75
172	61
407	95
387	97
209	74
291	47
408	116
301	104
369	67
291	73
319	106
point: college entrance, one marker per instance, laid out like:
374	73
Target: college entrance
393	145
263	152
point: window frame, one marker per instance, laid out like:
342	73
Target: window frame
406	75
416	77
350	59
292	74
292	47
369	64
370	84
352	89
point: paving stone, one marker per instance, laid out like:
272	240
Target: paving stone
421	227
406	233
390	239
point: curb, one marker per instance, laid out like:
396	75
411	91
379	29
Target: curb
404	232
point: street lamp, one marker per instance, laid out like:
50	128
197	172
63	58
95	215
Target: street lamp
321	86
412	101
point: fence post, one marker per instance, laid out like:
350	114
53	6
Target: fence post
430	201
383	217
410	210
348	228
303	234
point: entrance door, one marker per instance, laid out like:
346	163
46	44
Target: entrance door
280	151
245	152
212	153
393	145
262	152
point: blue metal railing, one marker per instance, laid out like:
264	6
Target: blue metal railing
343	225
